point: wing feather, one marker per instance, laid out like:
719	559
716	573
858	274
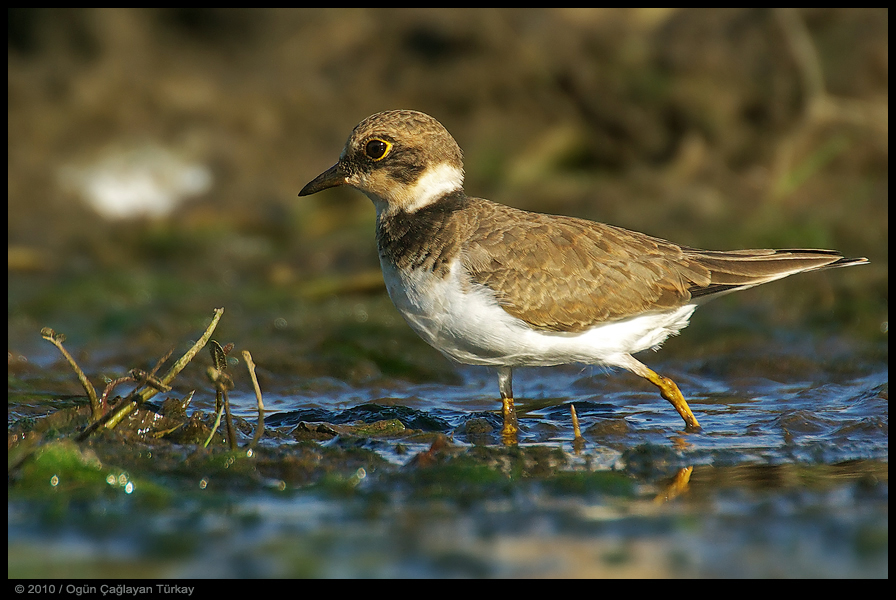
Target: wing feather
565	274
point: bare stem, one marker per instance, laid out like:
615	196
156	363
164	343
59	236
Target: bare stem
178	366
116	414
259	430
222	382
96	409
215	426
231	434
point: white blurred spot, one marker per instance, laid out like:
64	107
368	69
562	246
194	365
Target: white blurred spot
144	181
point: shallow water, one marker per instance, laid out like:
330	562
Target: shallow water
787	478
830	418
733	522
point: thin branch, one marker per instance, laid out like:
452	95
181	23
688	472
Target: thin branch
215	426
96	409
222	383
259	430
182	362
104	399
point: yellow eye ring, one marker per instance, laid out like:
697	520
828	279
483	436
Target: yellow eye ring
377	149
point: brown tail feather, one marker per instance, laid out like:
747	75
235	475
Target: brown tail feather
741	269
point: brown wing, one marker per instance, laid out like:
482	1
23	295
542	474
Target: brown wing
565	274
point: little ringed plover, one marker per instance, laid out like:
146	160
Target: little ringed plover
487	284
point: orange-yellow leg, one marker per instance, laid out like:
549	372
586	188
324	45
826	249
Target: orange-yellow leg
678	486
668	390
511	425
578	442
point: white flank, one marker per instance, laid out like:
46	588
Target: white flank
435	182
467	324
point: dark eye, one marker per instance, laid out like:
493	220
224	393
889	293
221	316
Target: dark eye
377	149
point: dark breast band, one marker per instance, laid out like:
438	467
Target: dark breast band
428	238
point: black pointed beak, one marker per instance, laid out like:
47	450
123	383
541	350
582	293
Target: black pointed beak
332	177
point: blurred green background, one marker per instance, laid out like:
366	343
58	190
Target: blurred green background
155	155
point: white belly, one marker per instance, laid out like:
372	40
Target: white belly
467	324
